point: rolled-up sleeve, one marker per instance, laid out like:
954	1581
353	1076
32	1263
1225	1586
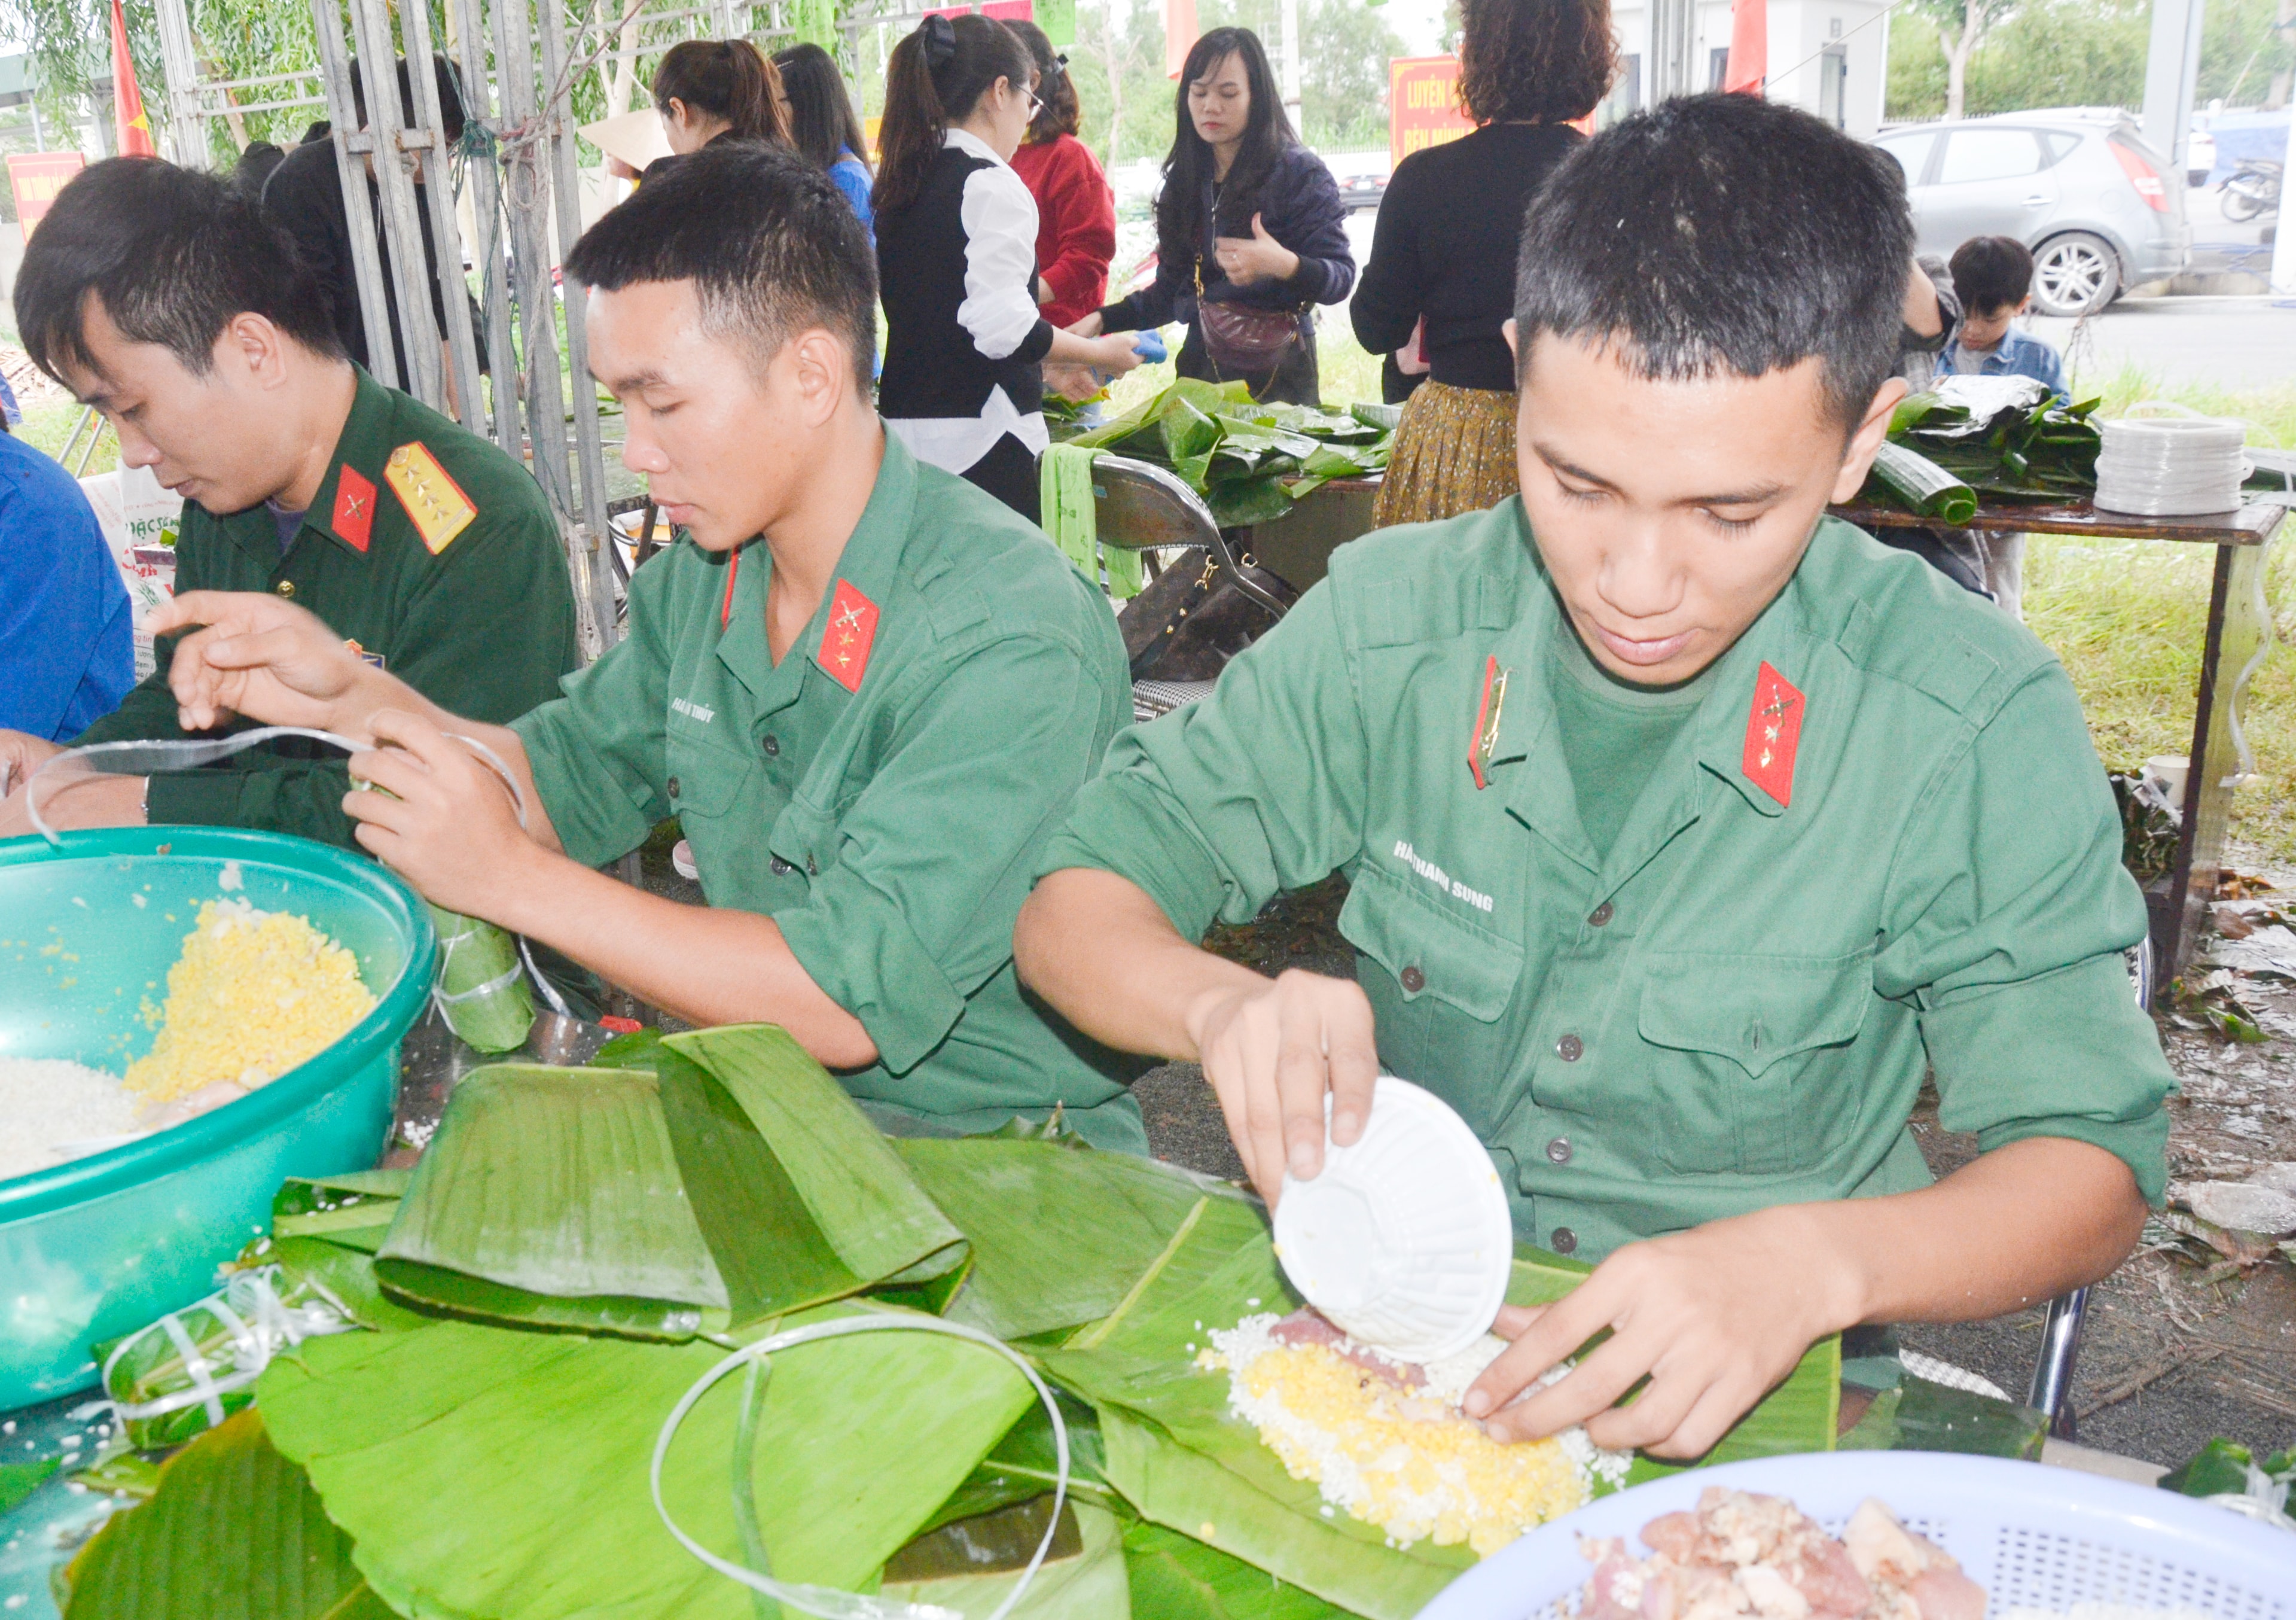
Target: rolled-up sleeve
598	753
1260	787
1000	309
915	915
2007	918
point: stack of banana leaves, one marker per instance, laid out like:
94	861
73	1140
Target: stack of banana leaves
577	1247
1975	438
1249	461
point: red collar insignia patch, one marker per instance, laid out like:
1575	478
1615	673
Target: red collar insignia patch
354	517
1486	737
845	640
1773	732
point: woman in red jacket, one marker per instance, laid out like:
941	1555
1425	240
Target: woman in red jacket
1076	212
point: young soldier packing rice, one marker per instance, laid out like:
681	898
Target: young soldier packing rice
1674	816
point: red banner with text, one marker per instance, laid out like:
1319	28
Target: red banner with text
1422	104
35	177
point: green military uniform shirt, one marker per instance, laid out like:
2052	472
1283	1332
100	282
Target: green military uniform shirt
427	546
1734	1007
882	794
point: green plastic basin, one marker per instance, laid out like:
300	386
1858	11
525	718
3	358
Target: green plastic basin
102	1246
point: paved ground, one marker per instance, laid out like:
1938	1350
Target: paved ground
2174	1350
2238	342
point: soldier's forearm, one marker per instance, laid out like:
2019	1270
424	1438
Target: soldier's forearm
706	965
2024	1223
1099	949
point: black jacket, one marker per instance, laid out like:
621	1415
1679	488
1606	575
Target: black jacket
1299	202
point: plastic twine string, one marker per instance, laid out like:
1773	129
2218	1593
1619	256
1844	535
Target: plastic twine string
260	1324
827	1602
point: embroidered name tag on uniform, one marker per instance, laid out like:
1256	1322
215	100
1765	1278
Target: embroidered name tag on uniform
354	517
1485	737
1773	732
435	502
845	641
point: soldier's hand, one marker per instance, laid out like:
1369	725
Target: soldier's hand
1712	1317
21	754
1271	1051
445	822
257	656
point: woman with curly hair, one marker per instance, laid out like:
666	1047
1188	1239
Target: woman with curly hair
1441	275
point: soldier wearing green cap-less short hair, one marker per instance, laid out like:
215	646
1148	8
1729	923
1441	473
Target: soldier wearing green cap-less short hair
1685	828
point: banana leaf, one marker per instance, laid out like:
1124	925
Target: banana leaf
554	1196
354	1210
1177	1577
1902	478
481	990
344	1272
234	1529
18	1480
1085	1580
492	1474
729	1180
1255	500
1058	1235
1025	1465
1181	1459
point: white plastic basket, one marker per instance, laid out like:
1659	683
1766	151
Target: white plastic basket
2033	1537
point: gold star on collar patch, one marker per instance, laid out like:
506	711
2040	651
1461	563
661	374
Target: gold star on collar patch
1772	734
434	502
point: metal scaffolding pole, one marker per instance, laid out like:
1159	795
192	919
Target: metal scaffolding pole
487	213
352	146
186	134
410	268
435	157
593	579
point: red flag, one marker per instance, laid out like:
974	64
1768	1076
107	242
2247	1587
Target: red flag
1180	32
127	101
1750	46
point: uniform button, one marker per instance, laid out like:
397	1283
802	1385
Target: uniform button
673	787
782	869
286	587
773	747
1562	1240
1601	914
1414	981
1570	1048
1559	1150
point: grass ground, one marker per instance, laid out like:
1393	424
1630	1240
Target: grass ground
2127	617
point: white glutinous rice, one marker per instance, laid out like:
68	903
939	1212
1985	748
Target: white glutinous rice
45	1102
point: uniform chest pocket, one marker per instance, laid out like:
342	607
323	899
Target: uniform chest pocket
1764	1081
1426	951
709	789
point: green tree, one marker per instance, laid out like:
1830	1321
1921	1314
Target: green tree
1961	26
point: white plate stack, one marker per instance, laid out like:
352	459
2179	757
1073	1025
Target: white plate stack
2171	466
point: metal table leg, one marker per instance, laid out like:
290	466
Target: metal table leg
2240	628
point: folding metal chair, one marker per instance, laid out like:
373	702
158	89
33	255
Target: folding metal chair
1140	506
2052	1390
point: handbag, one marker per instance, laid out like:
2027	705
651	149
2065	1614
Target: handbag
1242	337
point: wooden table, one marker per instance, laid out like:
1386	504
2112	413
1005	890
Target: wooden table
2240	628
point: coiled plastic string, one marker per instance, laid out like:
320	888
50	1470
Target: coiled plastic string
260	1324
143	758
2179	465
828	1602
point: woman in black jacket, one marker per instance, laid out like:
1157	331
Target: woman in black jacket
1441	275
963	385
1251	234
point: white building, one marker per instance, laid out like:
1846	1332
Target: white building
1828	56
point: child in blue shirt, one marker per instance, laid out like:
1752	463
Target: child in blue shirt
1993	276
67	636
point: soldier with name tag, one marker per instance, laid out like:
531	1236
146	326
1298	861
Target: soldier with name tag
1685	828
867	690
161	297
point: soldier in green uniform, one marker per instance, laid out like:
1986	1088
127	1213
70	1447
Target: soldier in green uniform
1684	826
159	296
867	690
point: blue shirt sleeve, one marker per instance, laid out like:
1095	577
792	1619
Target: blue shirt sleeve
852	177
67	648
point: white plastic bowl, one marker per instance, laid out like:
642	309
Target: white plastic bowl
2033	1537
1404	1239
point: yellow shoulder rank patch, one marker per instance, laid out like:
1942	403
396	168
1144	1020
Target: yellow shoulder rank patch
435	502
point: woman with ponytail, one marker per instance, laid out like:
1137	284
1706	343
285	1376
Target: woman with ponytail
1251	234
965	343
718	89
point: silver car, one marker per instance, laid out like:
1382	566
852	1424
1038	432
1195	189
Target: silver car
2102	211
